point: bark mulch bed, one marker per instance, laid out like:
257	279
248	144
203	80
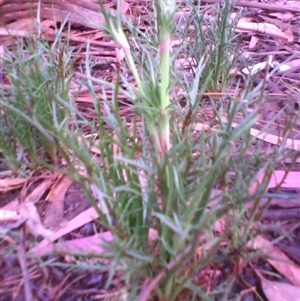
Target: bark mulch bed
49	280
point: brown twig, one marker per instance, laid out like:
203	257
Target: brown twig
23	265
267	6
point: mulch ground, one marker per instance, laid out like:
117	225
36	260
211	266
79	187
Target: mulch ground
54	278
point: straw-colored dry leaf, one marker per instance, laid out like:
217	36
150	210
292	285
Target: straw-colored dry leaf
278	291
253	41
40	190
294	63
202	127
281	67
262	28
258	67
9	215
284	16
12	32
277	259
273	139
11	184
292	179
55	203
290	36
120	55
255	68
24	24
33	221
124	6
29	213
77	222
87	245
12	206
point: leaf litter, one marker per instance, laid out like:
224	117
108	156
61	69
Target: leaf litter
265	22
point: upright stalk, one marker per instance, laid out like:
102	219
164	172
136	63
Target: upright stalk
164	48
164	14
165	10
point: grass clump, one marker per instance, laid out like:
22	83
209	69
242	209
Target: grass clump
157	172
34	107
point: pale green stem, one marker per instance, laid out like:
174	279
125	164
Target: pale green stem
164	49
164	55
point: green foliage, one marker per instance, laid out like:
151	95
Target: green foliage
34	109
213	40
154	171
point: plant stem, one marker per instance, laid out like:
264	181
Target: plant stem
164	17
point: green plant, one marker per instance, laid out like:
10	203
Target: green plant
214	39
155	170
167	179
32	109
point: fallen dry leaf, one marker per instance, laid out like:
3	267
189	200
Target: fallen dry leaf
202	127
9	215
29	212
80	220
33	221
279	260
273	139
40	190
292	179
120	55
294	63
289	33
11	184
12	206
264	28
285	16
253	42
46	245
124	6
55	203
278	291
257	67
89	245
